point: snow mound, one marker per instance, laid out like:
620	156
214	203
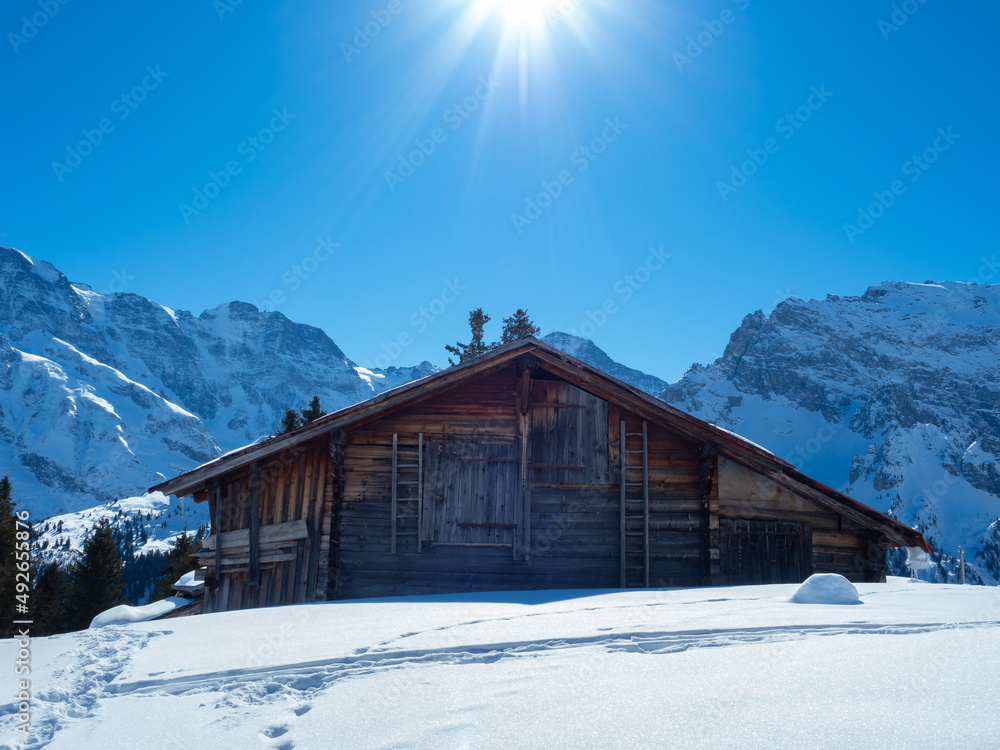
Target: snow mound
124	614
826	588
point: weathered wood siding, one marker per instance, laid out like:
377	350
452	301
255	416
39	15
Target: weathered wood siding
265	559
839	545
481	529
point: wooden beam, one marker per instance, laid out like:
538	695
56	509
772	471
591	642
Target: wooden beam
706	478
645	502
525	391
392	530
254	528
218	531
269	534
420	492
621	488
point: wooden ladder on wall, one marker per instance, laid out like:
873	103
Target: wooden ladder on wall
407	490
634	482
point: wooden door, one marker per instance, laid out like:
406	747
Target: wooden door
754	552
569	435
469	494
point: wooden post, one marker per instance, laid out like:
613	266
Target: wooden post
420	491
707	459
526	488
392	528
254	577
621	483
645	504
961	557
521	502
218	533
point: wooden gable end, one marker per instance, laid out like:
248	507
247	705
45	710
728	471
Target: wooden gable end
512	479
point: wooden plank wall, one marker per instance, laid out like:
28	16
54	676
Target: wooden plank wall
295	485
840	545
574	513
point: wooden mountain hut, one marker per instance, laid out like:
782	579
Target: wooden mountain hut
523	469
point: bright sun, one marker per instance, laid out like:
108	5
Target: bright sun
517	15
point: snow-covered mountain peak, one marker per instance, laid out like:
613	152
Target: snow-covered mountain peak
587	351
102	395
880	394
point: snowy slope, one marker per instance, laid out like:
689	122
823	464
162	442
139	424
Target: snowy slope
150	522
912	666
893	397
102	395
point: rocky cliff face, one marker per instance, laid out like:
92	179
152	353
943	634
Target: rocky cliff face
101	395
893	397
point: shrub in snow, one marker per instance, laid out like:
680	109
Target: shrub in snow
826	588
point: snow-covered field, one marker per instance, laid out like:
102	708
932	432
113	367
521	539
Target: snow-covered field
914	665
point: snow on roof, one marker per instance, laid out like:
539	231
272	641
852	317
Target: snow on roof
258	441
758	446
124	614
188	584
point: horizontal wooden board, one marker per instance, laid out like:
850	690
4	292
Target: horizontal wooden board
269	534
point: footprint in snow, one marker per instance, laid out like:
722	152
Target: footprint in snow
273	732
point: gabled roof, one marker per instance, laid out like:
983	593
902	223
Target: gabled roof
584	376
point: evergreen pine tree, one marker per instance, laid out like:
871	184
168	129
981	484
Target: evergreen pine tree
477	346
518	326
48	601
312	412
180	560
290	421
8	560
95	578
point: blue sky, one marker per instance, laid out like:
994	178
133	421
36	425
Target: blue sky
466	153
